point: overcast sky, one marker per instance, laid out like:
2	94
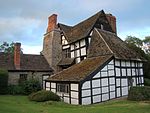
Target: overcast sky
25	21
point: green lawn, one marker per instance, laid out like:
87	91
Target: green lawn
21	104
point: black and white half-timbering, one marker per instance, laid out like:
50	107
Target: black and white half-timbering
96	65
112	81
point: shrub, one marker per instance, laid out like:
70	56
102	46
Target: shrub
43	95
30	86
3	81
15	90
146	82
139	93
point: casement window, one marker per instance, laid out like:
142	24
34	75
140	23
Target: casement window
23	77
66	53
63	88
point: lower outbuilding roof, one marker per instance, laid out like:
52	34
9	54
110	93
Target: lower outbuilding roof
28	62
80	71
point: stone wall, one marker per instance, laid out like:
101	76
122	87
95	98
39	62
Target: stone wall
13	78
52	49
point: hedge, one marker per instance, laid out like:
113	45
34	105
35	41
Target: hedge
146	82
43	95
3	81
139	93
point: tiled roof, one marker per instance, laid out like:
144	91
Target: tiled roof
27	62
6	61
80	30
104	43
80	71
66	61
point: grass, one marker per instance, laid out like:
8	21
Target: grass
21	104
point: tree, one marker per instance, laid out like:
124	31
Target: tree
7	48
134	40
135	44
146	43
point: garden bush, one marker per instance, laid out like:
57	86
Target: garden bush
43	95
146	82
30	86
3	81
15	90
139	93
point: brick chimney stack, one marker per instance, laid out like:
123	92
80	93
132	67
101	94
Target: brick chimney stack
112	22
17	55
52	21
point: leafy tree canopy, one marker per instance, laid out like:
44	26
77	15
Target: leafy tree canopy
7	48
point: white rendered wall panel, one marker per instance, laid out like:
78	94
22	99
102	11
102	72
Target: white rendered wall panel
86	85
141	71
96	98
74	94
47	89
105	97
124	72
133	72
134	81
96	83
112	88
82	42
112	95
111	62
112	80
124	82
78	53
128	64
104	74
74	87
124	91
110	66
128	72
123	63
104	81
105	90
53	90
47	84
53	85
97	75
118	92
111	73
83	51
72	47
86	93
117	63
118	72
86	101
105	68
118	82
66	99
96	91
77	45
75	101
72	54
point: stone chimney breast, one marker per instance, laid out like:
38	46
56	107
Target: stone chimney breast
17	55
52	22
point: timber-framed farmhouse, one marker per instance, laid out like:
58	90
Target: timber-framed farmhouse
92	64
